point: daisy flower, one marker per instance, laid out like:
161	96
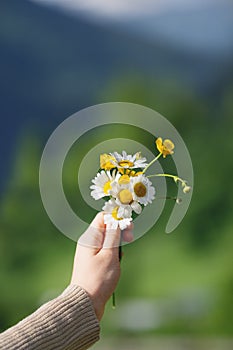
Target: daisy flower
122	193
128	161
112	217
102	184
142	189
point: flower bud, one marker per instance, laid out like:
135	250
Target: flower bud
186	189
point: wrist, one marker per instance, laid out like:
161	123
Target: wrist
98	307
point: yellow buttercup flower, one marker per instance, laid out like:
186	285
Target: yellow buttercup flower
106	161
165	147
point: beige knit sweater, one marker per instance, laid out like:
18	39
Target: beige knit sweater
65	323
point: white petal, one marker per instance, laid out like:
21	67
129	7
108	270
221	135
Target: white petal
136	207
128	212
124	211
124	223
124	155
120	212
97	195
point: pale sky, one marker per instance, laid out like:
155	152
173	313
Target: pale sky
214	29
128	8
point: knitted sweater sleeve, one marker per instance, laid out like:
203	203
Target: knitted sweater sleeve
65	323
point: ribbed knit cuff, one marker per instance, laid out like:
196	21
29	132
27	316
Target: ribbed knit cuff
65	323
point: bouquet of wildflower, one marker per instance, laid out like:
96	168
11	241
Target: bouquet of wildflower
122	182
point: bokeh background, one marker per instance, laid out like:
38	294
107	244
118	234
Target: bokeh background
57	57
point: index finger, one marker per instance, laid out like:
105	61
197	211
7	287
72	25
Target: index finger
94	236
112	237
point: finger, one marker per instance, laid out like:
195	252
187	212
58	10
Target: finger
127	234
93	237
112	237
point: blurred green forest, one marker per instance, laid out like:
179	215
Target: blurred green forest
186	277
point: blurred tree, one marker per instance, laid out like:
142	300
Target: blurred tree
197	257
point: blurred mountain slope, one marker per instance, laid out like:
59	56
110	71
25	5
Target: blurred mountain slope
205	28
53	64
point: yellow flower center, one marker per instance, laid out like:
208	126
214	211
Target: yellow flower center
140	189
125	196
124	179
124	163
107	187
114	214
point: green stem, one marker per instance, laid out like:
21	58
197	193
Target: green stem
174	177
113	300
152	162
113	294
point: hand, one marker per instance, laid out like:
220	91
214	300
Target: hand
96	264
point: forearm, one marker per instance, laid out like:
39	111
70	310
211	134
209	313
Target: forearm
67	322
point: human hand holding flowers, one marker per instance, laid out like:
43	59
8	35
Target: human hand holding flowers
122	183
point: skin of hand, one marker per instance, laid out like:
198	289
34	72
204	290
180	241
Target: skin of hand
96	264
